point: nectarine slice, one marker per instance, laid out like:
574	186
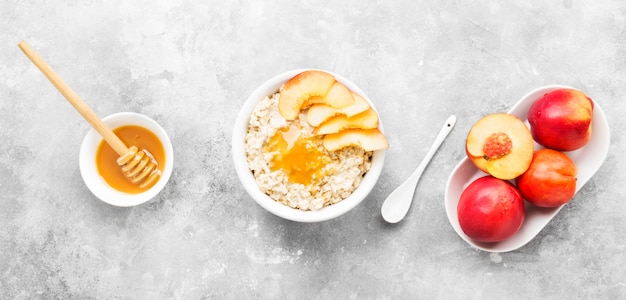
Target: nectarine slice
365	120
359	106
501	145
339	96
319	113
300	88
368	139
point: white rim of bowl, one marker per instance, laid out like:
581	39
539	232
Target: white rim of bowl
96	184
279	209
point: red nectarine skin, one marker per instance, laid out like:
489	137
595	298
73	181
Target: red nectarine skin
550	181
490	210
561	119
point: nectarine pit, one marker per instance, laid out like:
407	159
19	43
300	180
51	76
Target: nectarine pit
497	145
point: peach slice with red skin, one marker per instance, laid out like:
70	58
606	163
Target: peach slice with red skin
501	145
365	120
300	88
368	139
319	113
309	87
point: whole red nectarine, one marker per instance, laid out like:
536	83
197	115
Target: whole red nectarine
561	119
550	181
490	210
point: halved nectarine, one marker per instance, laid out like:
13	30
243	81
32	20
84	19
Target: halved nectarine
319	113
501	145
368	139
365	120
300	88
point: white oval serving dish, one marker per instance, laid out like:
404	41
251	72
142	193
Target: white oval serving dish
588	160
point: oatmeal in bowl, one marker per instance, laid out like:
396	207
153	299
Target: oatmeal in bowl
308	145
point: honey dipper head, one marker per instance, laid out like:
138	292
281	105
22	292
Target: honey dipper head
140	167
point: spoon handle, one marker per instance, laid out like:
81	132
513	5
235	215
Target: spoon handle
398	202
443	133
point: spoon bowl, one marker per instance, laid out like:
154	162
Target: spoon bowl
588	160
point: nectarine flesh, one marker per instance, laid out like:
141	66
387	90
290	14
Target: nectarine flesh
338	96
318	113
365	120
368	139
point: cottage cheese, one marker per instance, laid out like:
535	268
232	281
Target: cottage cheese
292	166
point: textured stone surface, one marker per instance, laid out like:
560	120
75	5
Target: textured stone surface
190	66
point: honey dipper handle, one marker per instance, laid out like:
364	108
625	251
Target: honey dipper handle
75	100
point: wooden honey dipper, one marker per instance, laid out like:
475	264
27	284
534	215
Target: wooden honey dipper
140	167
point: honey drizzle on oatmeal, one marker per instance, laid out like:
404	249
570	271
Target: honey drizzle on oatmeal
299	157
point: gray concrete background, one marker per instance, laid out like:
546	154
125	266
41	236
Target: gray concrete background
190	66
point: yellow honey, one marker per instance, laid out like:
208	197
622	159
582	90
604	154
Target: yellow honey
301	158
106	157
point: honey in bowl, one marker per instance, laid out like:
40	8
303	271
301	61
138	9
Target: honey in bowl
299	157
106	157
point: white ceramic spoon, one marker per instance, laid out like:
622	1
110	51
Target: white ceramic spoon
588	160
398	202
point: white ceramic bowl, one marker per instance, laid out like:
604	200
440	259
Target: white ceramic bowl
247	179
97	185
